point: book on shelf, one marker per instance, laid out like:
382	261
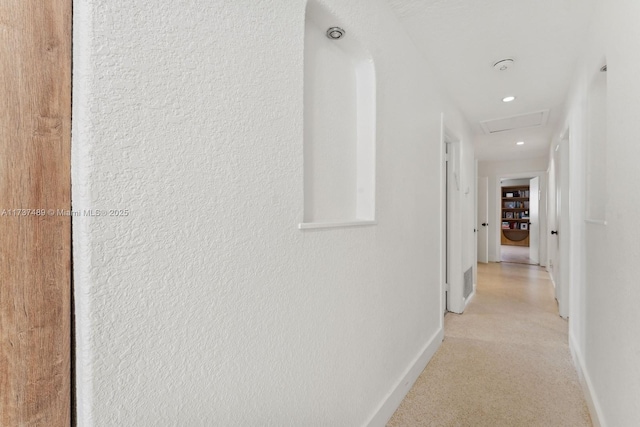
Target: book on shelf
508	195
505	224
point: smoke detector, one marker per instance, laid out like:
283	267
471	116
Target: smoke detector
503	64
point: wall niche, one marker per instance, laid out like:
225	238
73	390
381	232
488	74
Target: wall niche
339	124
596	142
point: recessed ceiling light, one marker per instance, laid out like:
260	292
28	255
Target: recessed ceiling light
508	98
520	143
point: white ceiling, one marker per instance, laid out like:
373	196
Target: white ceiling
462	39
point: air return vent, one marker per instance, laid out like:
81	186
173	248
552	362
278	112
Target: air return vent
539	118
468	282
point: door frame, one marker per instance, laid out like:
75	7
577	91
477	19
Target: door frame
569	243
444	220
451	222
36	337
536	228
482	229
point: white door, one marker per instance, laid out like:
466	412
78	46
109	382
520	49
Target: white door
534	221
483	219
562	229
557	219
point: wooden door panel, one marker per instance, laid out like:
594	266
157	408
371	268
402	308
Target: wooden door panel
35	245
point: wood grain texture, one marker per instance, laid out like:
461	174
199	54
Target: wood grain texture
35	250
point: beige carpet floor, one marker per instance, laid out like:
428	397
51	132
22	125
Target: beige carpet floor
517	254
504	362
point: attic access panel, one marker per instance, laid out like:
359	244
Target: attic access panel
521	121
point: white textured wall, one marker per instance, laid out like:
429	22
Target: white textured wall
604	316
206	305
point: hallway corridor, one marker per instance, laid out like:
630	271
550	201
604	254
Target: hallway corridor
505	362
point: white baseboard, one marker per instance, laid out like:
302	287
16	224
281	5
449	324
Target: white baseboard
391	402
587	386
470	297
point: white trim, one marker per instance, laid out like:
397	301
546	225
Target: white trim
392	400
470	297
443	223
453	199
311	225
595	410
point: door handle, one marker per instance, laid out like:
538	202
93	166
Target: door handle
554	232
484	224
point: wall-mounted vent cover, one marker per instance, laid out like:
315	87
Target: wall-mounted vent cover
529	120
468	282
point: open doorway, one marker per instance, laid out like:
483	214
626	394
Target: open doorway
519	227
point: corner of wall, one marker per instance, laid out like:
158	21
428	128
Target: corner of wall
81	174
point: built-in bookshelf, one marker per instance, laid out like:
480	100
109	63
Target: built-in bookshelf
515	215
